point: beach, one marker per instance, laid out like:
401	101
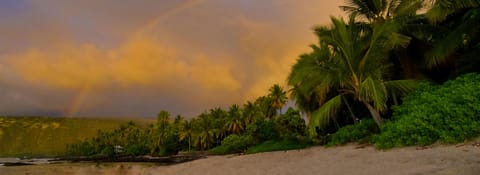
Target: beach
350	159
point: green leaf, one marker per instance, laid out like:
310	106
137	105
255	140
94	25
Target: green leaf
374	91
321	117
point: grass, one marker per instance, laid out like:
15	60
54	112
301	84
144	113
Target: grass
272	145
48	136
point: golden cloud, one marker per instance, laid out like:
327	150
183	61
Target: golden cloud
138	62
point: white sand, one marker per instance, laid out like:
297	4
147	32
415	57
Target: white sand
341	160
352	160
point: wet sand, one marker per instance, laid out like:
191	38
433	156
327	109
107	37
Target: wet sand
351	159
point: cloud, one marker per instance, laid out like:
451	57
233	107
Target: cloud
184	57
138	62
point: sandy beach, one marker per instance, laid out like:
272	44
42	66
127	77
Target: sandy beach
350	159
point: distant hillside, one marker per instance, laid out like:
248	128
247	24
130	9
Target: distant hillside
48	136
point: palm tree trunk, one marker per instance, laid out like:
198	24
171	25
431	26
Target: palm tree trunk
375	114
336	122
395	101
406	64
189	145
350	110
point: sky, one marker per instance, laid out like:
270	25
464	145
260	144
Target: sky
133	58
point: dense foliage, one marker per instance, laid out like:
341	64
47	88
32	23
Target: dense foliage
233	144
361	132
449	113
278	145
220	131
365	64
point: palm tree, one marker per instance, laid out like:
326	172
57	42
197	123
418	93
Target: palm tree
234	124
206	136
178	119
186	130
375	11
219	119
404	14
351	61
278	97
264	104
250	113
163	120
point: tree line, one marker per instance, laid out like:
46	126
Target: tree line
231	130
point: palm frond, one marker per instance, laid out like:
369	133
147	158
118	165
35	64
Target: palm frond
322	116
401	87
384	37
404	8
455	39
373	90
442	8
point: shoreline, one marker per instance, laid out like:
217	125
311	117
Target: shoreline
348	159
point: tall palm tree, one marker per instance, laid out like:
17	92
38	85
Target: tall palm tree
265	107
278	97
162	125
235	123
186	131
250	113
206	135
219	119
352	61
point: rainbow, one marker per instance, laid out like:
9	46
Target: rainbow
79	98
148	26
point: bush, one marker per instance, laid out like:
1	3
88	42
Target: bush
278	145
136	149
170	146
291	125
263	130
233	144
82	148
360	132
449	113
108	151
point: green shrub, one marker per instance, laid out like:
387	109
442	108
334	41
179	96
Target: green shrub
291	125
449	113
278	145
263	130
360	132
82	148
108	151
233	144
136	149
170	146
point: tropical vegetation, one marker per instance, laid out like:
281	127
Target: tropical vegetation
217	130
